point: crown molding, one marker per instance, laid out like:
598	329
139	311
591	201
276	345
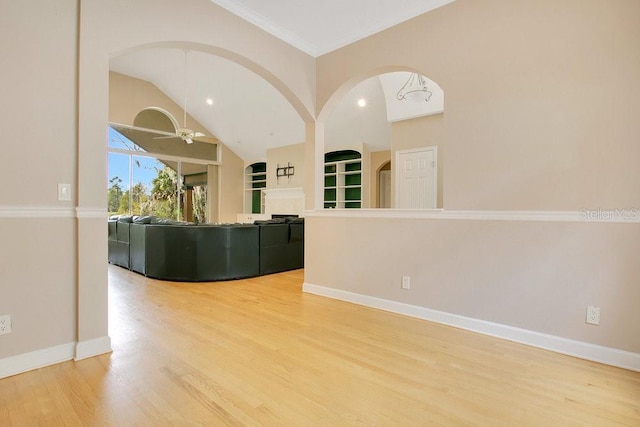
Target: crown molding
265	24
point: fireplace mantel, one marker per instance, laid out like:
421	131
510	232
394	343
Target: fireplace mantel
284	201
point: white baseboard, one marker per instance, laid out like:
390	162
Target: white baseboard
94	347
36	359
583	350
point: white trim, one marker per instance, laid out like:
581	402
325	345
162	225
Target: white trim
583	350
581	216
36	359
91	213
36	212
94	347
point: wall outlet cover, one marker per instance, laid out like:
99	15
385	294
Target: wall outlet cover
593	315
5	324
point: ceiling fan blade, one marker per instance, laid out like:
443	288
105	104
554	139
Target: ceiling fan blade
197	134
166	137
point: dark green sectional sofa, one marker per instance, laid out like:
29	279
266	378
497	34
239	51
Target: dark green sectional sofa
171	250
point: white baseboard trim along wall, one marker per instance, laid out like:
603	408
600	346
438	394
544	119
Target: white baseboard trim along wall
94	347
25	362
583	350
36	359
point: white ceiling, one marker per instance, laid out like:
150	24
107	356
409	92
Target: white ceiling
321	26
248	115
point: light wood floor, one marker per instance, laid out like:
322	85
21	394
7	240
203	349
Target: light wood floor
260	352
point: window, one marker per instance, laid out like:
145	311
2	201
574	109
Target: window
141	183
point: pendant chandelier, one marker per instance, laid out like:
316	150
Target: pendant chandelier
415	89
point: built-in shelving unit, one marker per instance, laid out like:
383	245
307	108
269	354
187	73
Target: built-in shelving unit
255	180
343	180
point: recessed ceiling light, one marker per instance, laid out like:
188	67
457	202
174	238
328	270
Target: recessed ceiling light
362	102
209	101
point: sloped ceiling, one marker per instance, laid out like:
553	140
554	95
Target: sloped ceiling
321	26
247	114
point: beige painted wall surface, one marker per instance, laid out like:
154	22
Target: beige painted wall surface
293	154
378	159
231	186
541	98
418	133
539	276
541	106
37	112
38	283
129	95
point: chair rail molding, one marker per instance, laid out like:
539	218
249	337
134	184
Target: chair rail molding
36	211
615	215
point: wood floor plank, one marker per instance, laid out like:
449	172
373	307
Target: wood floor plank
261	352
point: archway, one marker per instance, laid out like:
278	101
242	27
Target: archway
397	110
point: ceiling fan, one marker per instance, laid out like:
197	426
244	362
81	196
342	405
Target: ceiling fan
184	133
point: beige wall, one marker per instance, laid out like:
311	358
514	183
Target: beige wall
293	154
536	116
378	159
541	105
421	132
37	111
538	276
128	96
231	186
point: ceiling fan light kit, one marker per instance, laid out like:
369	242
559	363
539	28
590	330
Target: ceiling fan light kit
184	133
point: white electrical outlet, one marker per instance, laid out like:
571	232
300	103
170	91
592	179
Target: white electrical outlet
406	282
593	315
5	324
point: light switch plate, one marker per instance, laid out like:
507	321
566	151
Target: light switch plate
64	192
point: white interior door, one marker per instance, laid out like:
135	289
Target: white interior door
416	178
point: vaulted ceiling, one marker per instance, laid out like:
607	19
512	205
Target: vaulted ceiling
245	112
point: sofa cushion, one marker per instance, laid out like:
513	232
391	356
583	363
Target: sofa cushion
125	219
143	219
270	221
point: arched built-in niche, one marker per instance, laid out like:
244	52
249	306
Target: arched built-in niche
343	186
362	113
255	180
156	118
382	191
